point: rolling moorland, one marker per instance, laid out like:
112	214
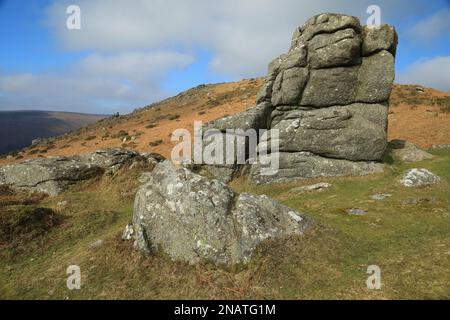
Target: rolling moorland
19	128
407	234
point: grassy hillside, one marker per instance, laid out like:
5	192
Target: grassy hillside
19	128
406	235
419	117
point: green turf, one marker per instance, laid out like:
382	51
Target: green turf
406	235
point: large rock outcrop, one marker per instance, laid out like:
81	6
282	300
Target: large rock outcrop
54	175
327	99
193	218
329	96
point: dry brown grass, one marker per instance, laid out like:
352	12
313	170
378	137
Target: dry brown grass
417	117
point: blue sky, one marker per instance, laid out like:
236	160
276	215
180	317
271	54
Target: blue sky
126	56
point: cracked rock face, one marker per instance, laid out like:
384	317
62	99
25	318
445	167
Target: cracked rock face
193	218
329	95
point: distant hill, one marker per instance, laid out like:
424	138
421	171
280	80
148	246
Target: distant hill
19	128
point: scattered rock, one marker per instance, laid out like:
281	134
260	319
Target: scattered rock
314	187
419	177
380	196
253	118
193	218
356	211
406	151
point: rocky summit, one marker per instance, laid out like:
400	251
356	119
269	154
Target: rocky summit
328	99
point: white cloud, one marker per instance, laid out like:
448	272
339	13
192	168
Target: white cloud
16	82
135	66
99	83
242	35
432	27
434	73
134	44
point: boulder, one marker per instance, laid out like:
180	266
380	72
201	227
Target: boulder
192	218
106	158
54	175
109	160
341	48
48	175
254	118
419	177
224	162
295	58
324	23
288	86
335	132
377	38
302	165
375	78
401	150
331	87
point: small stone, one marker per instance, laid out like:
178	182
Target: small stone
128	232
380	196
356	212
314	187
